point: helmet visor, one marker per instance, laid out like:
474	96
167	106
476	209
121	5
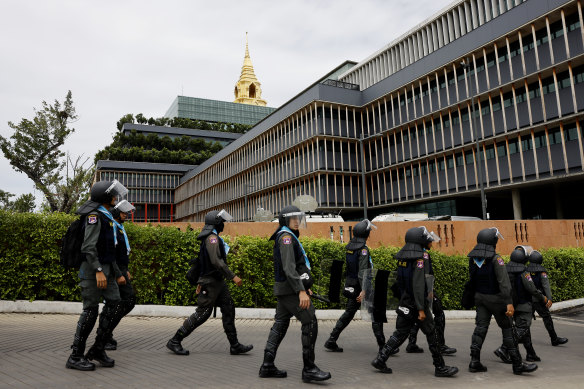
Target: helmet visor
498	234
223	214
370	226
295	220
430	235
526	249
117	190
125	207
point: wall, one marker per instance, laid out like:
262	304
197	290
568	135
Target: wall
458	237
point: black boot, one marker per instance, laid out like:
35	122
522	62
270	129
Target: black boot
520	367
387	350
239	348
85	325
412	347
501	352
557	341
268	369
440	368
531	355
111	344
475	365
310	371
78	361
446	350
379	335
331	345
314	374
97	353
174	344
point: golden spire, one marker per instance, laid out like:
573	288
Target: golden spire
248	88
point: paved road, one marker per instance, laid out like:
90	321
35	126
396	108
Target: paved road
34	348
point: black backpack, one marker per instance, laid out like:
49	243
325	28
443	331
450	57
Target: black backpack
70	253
194	272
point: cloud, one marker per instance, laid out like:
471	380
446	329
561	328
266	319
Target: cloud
137	56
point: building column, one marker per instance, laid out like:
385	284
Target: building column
516	198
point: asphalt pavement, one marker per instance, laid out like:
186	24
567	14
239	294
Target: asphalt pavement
34	349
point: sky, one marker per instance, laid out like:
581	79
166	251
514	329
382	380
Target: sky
120	57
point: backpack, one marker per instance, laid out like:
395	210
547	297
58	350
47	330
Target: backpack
70	253
194	272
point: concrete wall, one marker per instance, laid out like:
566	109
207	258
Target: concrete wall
458	237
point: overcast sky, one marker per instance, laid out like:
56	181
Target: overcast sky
120	57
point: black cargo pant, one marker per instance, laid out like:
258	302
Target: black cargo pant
288	306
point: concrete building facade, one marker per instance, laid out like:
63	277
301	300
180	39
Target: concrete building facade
411	104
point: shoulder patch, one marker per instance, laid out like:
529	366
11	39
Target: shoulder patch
528	277
420	264
544	274
364	252
500	261
213	240
91	219
287	240
426	255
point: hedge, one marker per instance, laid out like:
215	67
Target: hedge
29	263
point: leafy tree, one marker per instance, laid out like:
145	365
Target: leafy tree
24	203
35	149
129	118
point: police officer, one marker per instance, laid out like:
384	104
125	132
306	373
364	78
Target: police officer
211	288
439	322
489	279
98	276
358	260
416	284
292	289
542	282
523	291
128	297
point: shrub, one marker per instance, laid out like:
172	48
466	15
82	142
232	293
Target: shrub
29	259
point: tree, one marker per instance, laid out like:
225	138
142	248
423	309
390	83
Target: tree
24	203
35	149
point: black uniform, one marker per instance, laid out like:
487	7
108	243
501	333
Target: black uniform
127	294
100	252
439	322
489	278
413	271
292	275
541	280
358	261
214	292
523	291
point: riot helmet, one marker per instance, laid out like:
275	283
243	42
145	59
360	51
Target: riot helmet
216	219
536	257
421	235
290	215
489	236
104	192
518	256
122	207
363	229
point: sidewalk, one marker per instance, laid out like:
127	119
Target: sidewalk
25	306
34	348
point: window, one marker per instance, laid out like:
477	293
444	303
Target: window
571	132
555	136
540	140
513	147
501	151
490	152
526	144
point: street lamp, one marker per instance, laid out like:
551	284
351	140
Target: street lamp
467	66
361	139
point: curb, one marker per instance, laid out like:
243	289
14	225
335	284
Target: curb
75	308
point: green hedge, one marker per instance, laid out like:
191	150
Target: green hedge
29	264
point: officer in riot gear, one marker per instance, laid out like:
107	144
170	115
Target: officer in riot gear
99	275
358	260
128	297
488	277
541	280
416	285
523	290
439	322
211	288
292	289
